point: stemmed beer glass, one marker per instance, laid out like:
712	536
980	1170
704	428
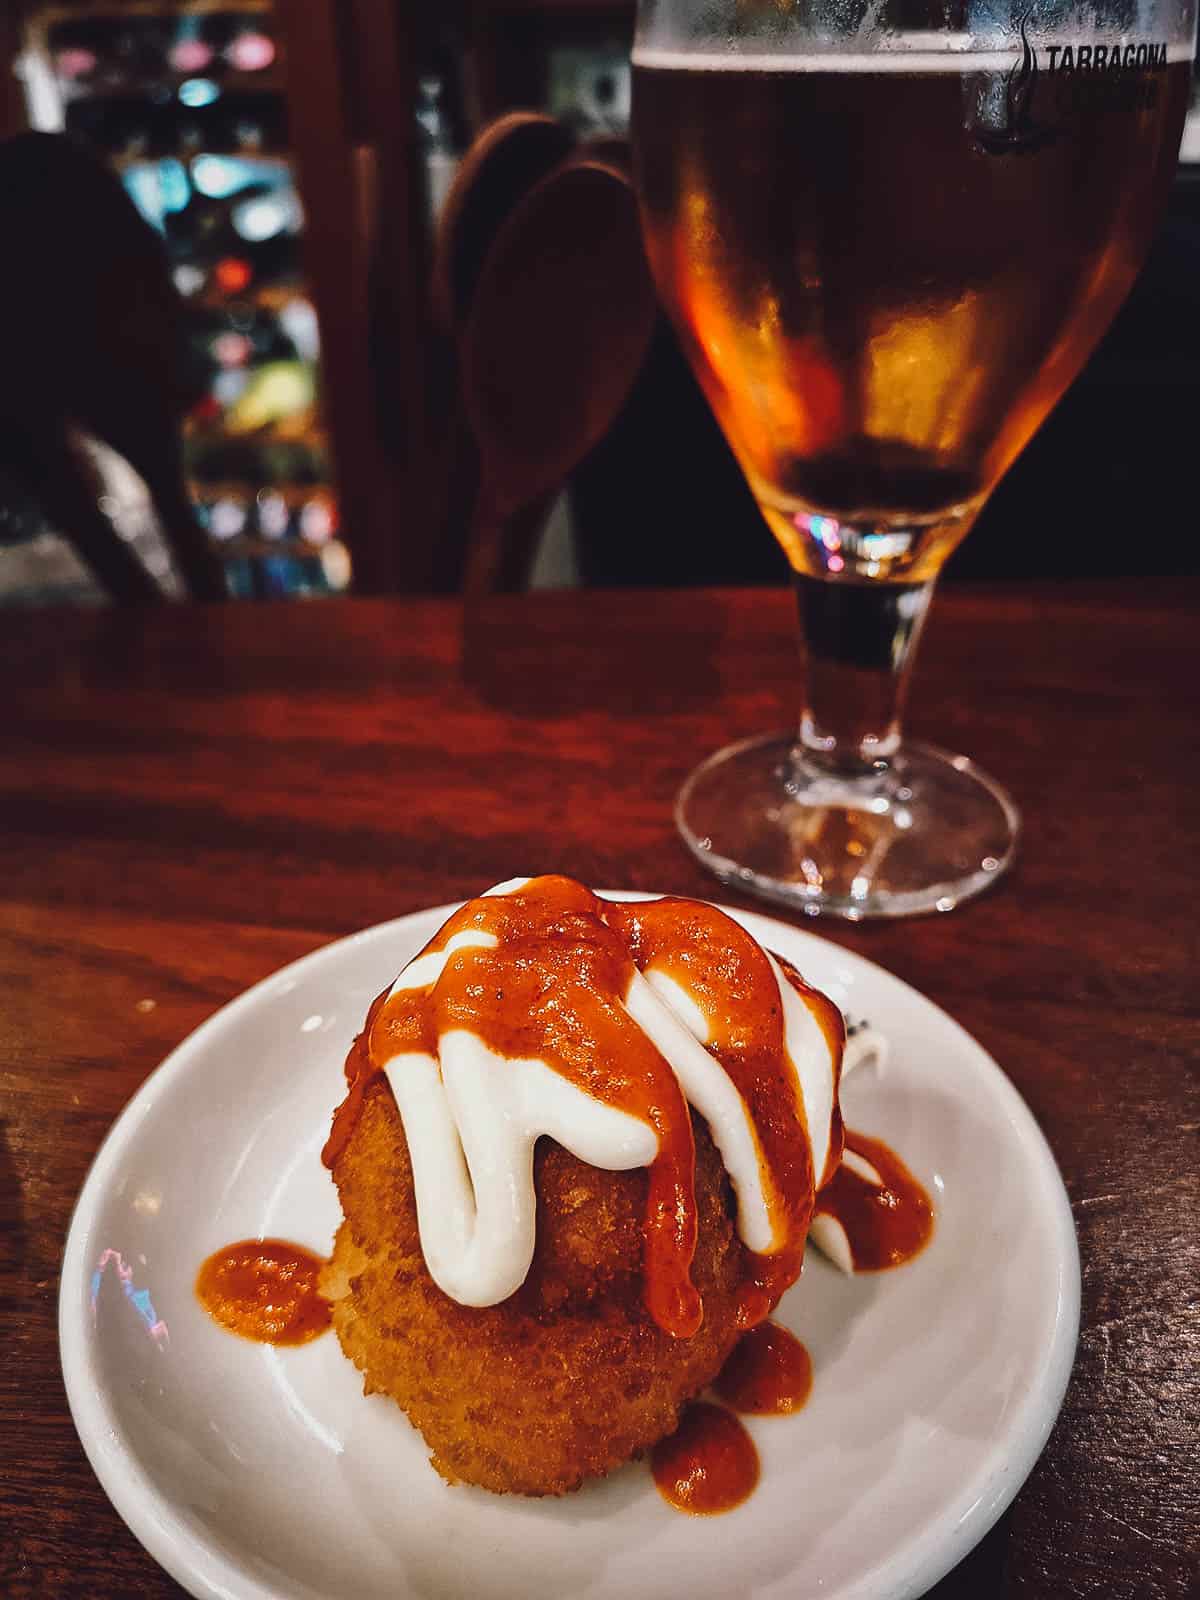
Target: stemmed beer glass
889	235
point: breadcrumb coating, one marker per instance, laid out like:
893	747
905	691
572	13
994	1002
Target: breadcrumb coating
569	1377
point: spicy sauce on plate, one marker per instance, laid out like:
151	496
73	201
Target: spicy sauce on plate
886	1224
265	1289
709	1464
769	1373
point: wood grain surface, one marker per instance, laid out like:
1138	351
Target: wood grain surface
189	800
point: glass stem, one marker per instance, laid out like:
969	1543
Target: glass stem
858	641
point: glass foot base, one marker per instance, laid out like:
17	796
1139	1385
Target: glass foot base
926	833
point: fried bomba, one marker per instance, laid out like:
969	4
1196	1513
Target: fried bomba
567	1378
544	1256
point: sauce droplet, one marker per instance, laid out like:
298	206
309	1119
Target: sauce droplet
769	1373
886	1224
709	1464
264	1289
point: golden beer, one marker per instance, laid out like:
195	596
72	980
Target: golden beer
886	269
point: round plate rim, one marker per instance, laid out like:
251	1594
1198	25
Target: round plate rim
209	1574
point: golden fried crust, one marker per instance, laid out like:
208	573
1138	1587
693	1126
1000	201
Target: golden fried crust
567	1378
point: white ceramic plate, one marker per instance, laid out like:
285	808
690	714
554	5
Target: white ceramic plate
254	1472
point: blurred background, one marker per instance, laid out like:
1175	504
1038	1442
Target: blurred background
293	159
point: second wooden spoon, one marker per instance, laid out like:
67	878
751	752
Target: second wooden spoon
559	324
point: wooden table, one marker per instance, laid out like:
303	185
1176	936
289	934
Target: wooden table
189	800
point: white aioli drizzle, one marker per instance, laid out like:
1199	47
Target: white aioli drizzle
825	1231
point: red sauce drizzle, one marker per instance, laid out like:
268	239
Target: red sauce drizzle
264	1289
885	1226
729	977
553	987
769	1373
709	1464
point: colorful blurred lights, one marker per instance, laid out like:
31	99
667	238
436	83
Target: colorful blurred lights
217	176
335	565
317	522
188	279
273	515
261	218
298	320
75	63
190	55
229	385
226	519
232	274
250	52
827	530
232	349
197	92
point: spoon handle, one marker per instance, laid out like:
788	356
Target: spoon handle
504	541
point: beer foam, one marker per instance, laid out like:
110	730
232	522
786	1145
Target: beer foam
906	53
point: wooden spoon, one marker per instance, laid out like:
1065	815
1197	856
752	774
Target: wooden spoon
507	159
559	324
503	164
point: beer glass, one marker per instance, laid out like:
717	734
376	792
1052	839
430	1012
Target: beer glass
889	234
